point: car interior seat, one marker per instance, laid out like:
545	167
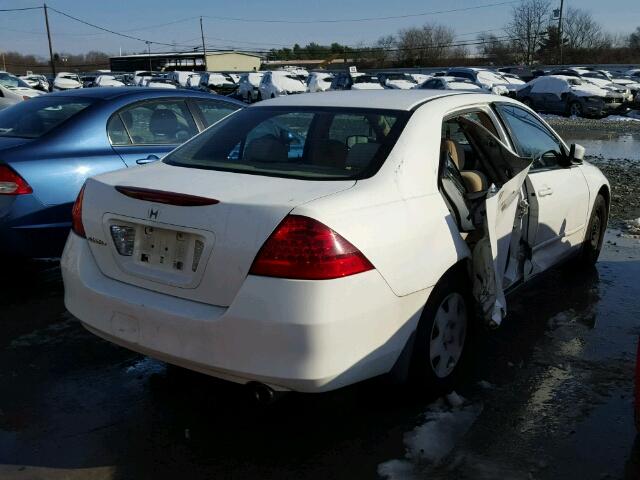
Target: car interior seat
267	148
475	181
164	124
361	154
329	153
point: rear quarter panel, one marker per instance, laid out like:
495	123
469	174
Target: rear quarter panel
397	218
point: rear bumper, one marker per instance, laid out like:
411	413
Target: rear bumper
295	335
30	229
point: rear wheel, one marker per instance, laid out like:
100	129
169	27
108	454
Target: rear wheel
595	233
575	109
443	334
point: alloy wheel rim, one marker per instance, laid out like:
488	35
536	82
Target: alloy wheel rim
448	335
575	110
595	231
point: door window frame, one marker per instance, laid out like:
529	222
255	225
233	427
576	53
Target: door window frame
513	139
192	109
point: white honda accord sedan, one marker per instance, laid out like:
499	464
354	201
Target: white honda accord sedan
313	241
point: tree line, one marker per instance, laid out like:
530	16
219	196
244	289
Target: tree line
531	36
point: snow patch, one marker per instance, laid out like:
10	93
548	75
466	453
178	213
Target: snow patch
446	421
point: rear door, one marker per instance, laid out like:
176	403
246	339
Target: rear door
558	195
146	131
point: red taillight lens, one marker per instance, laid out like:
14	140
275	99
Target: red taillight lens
76	215
11	183
305	249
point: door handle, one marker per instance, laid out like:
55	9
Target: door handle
545	191
149	159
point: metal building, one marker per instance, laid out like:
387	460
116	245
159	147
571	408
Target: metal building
217	61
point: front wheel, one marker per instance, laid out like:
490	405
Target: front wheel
443	334
595	233
575	109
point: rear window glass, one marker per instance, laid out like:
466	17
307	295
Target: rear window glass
36	117
296	142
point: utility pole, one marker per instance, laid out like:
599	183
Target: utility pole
149	54
560	30
46	21
204	47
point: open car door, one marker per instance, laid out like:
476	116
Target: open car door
499	255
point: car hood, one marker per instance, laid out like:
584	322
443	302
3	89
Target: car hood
587	90
289	84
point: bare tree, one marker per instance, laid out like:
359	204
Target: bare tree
528	26
383	49
634	40
495	50
581	31
426	45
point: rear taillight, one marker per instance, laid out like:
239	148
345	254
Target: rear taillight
11	183
76	215
305	249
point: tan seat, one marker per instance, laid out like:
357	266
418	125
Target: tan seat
474	180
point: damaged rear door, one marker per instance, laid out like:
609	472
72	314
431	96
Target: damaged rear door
499	250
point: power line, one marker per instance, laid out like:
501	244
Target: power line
113	31
19	9
365	19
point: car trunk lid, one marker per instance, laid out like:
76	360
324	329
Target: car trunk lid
195	232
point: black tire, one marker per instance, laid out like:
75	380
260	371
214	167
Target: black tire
424	377
273	96
575	108
595	233
259	97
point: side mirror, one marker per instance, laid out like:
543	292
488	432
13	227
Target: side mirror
576	153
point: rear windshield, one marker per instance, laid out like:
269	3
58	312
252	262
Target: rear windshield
296	142
35	117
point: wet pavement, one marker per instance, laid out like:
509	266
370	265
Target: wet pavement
549	396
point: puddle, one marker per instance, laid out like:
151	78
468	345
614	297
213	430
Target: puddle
604	144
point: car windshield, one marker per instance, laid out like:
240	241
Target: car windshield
39	116
295	142
365	79
9	81
574	81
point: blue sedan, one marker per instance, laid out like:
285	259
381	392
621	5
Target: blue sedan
49	145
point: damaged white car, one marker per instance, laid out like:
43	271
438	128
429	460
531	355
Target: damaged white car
313	241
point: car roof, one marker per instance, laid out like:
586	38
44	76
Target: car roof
378	99
110	93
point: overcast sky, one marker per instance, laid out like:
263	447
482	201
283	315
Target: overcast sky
25	32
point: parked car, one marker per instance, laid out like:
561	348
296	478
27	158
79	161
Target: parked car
280	82
569	96
179	78
37	82
220	83
314	268
140	75
596	78
9	97
633	73
420	78
450	83
487	79
66	81
396	80
193	81
355	81
248	86
107	81
18	86
524	73
49	145
319	81
159	82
